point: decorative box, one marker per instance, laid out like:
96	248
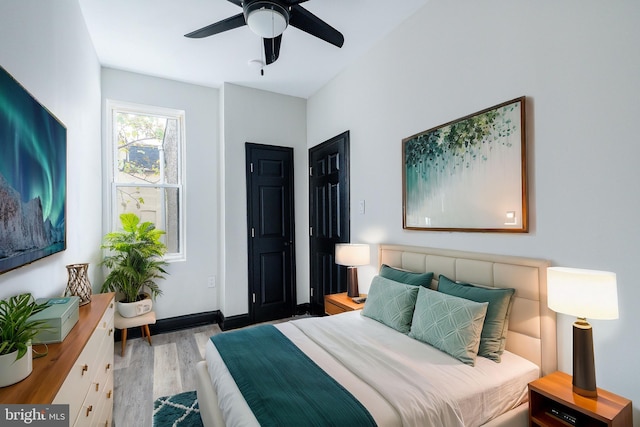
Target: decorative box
61	316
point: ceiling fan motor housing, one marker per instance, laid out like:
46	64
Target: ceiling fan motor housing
268	19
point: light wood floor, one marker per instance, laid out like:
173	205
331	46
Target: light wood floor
167	367
148	372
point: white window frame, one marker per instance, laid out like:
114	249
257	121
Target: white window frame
110	154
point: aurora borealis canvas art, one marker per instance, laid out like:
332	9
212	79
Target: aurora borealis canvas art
32	178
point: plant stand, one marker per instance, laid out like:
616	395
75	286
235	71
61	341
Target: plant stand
143	321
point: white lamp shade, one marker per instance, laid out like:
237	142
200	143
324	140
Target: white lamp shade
267	23
582	293
352	254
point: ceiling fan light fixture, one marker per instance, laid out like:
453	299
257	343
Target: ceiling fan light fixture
267	19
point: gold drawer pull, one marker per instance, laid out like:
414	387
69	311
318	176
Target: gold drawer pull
110	331
85	368
97	386
111	305
89	409
109	394
107	367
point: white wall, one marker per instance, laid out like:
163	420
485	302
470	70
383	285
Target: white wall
185	289
578	63
46	47
251	115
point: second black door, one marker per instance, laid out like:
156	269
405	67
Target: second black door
328	217
270	217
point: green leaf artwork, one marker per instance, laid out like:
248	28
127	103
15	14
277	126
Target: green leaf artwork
450	170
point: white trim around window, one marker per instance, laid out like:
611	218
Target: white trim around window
170	213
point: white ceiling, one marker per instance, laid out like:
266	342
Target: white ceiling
147	36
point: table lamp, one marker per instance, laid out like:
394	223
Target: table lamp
583	293
352	255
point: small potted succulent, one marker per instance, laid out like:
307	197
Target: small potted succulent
135	262
16	332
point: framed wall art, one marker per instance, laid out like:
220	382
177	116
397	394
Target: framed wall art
469	174
33	174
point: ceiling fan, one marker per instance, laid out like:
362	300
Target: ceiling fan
269	19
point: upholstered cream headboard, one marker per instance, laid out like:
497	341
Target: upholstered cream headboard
532	325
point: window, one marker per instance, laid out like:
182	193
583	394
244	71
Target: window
146	154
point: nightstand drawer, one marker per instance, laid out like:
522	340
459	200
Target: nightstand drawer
339	303
331	308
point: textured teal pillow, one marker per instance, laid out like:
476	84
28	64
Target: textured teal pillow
391	303
496	323
408	277
449	323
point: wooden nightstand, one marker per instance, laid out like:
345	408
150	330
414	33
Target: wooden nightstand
339	303
553	394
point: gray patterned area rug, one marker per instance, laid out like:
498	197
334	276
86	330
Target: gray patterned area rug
179	410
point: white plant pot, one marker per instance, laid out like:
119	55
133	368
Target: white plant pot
12	370
133	309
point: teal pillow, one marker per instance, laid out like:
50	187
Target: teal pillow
408	277
391	303
496	323
449	323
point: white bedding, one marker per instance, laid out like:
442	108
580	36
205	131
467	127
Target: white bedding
399	380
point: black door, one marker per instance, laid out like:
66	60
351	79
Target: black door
270	216
328	216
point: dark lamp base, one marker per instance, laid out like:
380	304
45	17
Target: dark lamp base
352	282
584	370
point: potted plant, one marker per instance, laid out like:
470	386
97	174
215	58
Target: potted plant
16	333
135	263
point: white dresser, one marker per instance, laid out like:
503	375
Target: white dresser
78	371
88	389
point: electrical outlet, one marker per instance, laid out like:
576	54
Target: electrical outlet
211	282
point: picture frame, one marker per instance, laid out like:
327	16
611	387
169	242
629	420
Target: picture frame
468	175
33	178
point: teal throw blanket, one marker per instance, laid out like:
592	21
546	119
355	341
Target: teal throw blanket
282	386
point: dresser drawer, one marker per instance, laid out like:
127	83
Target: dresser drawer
104	414
88	409
106	322
98	404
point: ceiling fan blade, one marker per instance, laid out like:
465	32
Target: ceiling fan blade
306	21
218	27
272	49
236	2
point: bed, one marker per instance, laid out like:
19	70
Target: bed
364	356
